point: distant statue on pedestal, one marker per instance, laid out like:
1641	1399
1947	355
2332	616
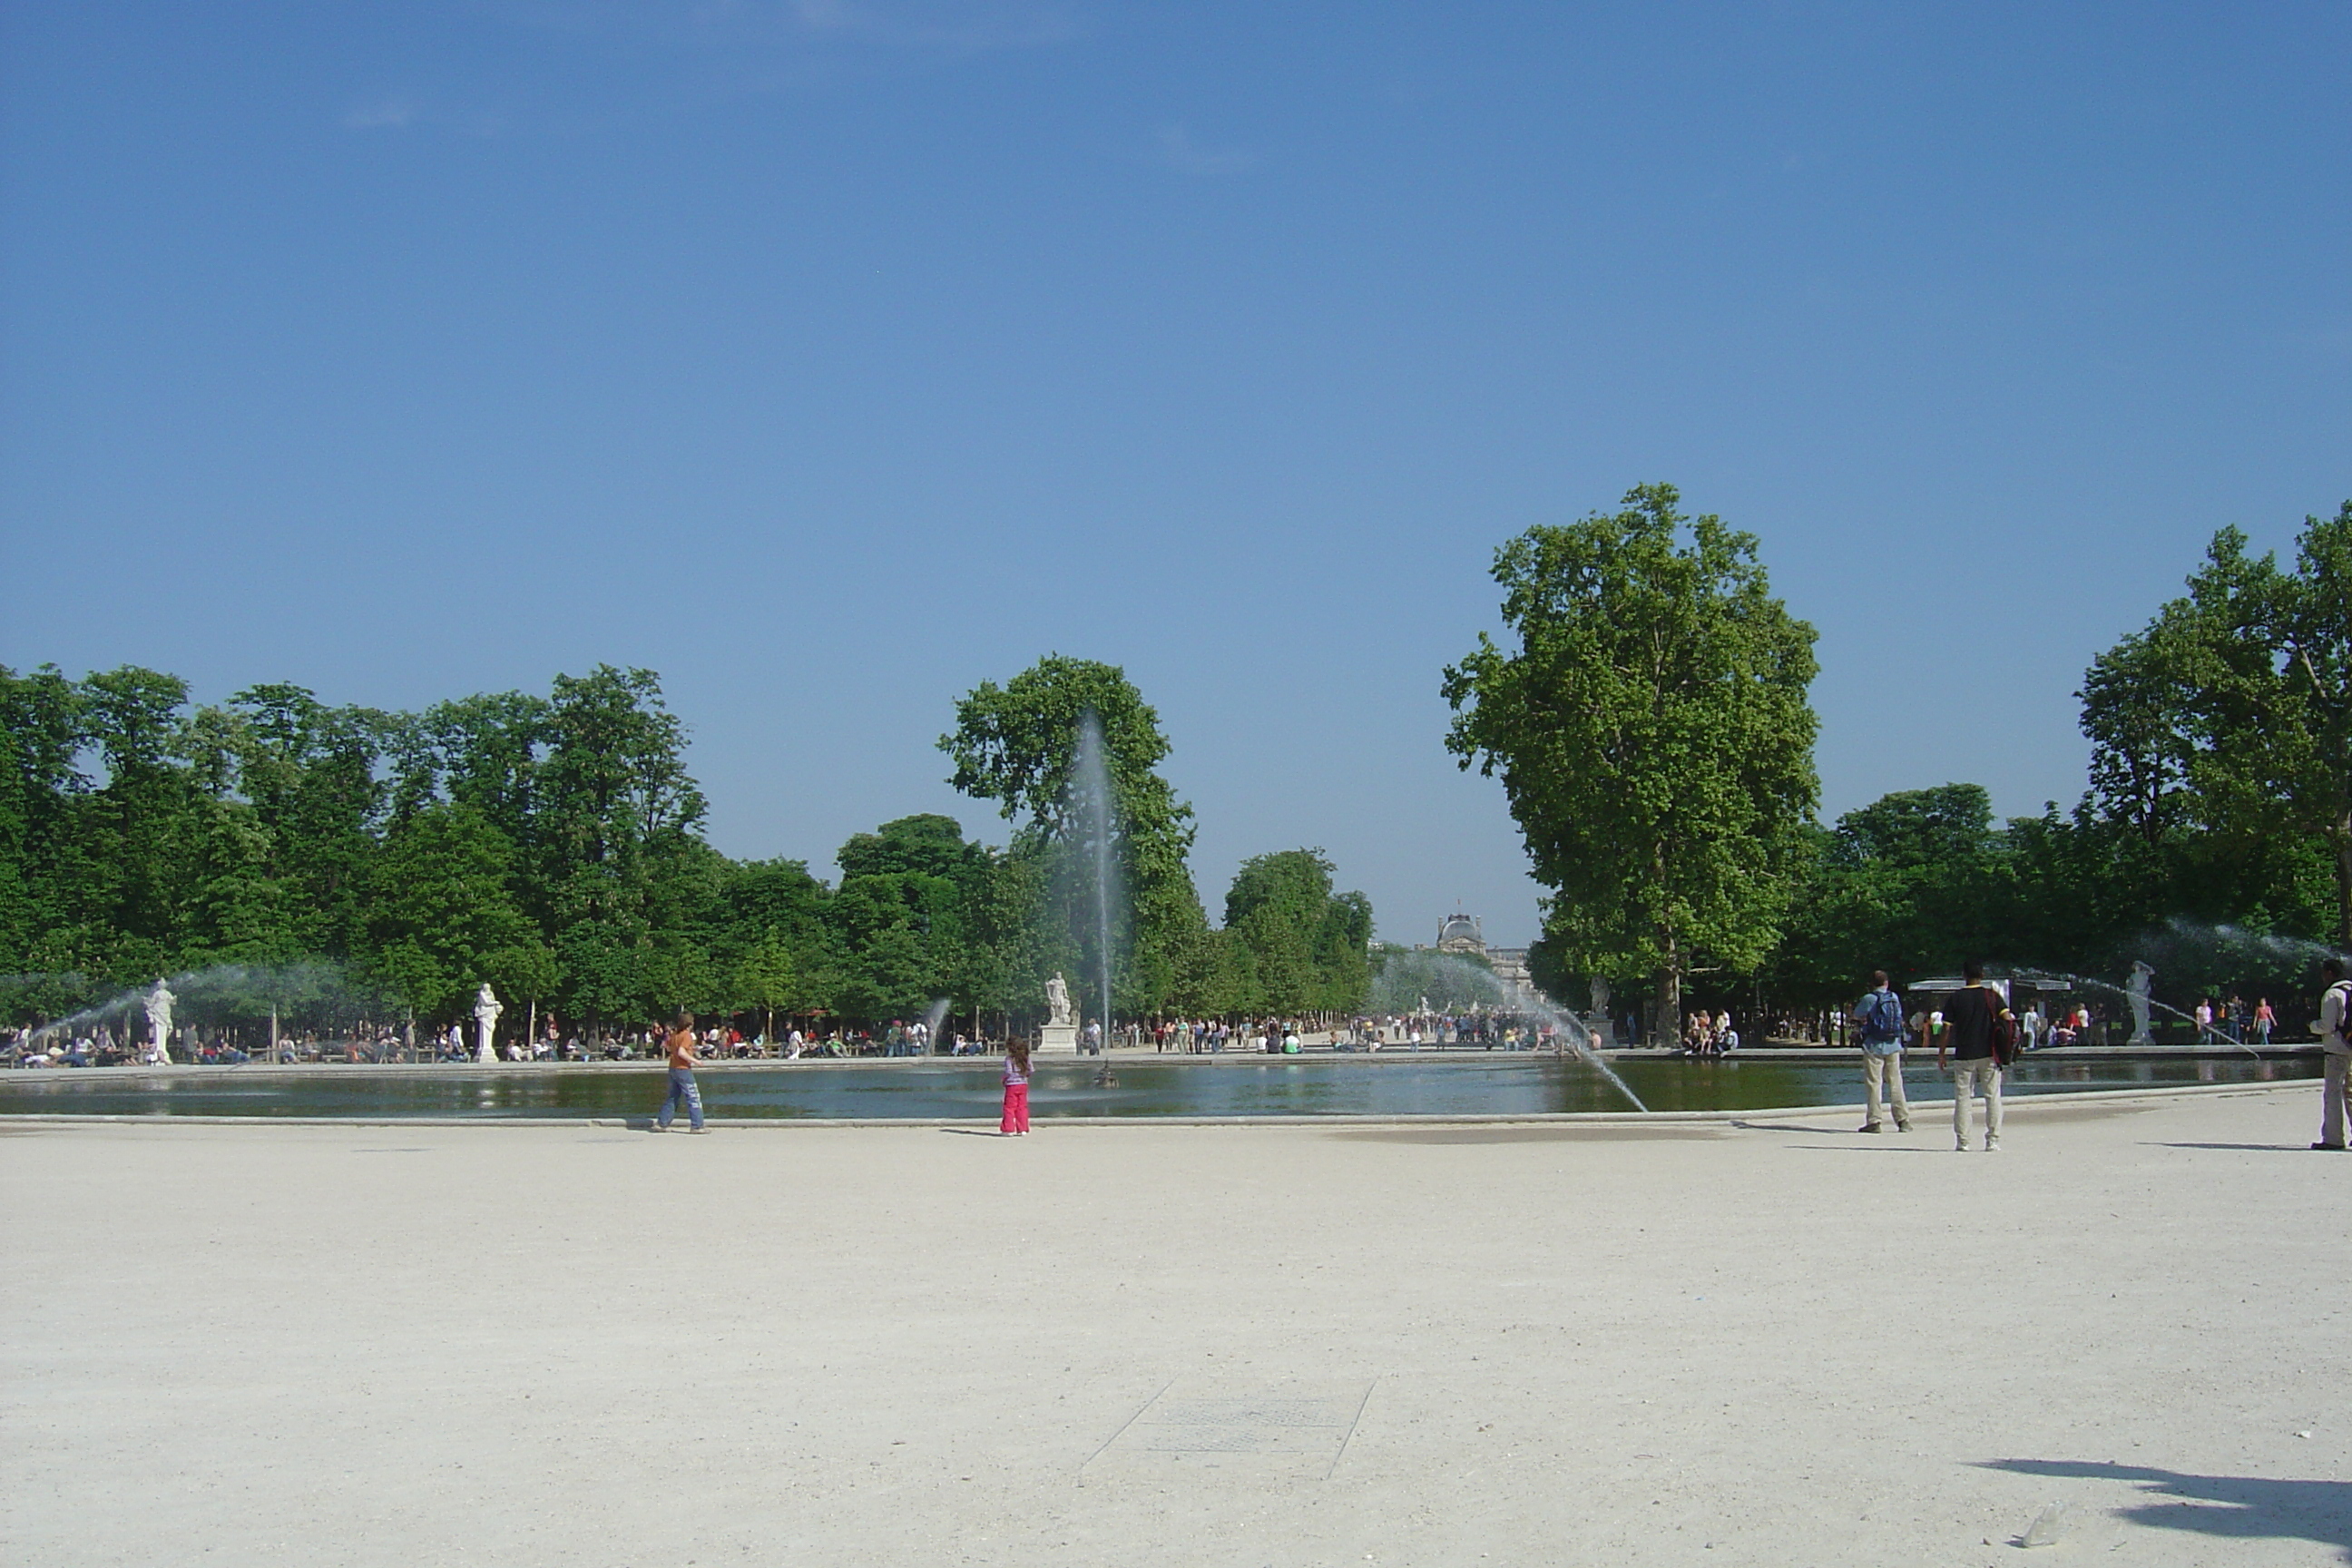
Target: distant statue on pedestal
486	1021
1603	1028
159	1019
1059	1036
2136	991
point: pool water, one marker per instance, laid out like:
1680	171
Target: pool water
1246	1086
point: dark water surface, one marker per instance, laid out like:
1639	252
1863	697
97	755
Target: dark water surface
919	1090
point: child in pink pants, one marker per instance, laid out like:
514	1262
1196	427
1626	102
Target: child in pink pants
1016	1091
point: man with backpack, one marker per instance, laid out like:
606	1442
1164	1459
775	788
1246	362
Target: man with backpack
2336	1041
1980	1039
1880	1016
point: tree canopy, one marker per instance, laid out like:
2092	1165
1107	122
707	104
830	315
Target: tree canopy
1017	745
2231	713
551	846
1653	738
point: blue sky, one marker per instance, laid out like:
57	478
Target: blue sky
830	358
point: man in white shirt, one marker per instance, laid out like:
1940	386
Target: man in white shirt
2335	1003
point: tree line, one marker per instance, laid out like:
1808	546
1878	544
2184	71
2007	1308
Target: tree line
553	847
1651	725
1649	718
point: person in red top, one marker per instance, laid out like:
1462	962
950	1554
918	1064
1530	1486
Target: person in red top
682	1063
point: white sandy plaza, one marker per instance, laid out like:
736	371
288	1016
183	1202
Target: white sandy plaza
1712	1343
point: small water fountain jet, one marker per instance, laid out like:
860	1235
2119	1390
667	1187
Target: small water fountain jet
234	990
1450	974
2138	997
1094	820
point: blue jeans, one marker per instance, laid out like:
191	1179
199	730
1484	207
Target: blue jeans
682	1087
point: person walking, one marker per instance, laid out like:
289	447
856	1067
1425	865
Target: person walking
1879	1016
2334	1020
682	1087
1972	1021
2265	1020
1015	1120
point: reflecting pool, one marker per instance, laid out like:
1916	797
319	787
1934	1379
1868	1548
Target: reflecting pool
1247	1086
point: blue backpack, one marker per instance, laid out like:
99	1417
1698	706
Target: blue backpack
1881	1016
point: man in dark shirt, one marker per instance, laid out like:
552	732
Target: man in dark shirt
1967	1044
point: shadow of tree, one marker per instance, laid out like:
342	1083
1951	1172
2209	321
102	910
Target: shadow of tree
2236	1507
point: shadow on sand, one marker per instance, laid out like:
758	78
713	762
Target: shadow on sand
2230	1508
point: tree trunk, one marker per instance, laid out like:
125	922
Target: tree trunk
1670	995
2342	836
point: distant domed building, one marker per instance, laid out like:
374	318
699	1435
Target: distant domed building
1462	933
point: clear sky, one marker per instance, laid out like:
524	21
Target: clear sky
832	357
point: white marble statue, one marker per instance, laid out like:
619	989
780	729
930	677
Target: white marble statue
159	1019
2135	989
1058	999
486	1020
1603	1028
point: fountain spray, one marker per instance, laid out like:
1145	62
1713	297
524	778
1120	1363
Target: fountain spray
1096	814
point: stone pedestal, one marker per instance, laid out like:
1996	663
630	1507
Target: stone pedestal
1057	1040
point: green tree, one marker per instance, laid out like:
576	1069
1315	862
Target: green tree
1301	945
766	978
1017	745
136	830
900	913
616	820
442	920
1652	735
2231	713
43	939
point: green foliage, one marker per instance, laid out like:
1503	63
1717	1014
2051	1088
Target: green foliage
1652	735
552	847
1295	945
443	915
2229	715
1017	745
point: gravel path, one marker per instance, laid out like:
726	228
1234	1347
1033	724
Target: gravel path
1784	1344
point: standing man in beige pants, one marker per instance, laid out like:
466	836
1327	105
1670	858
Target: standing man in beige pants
2335	1040
1879	1016
1967	1041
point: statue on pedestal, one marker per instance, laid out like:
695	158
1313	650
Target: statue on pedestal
1059	1036
2135	990
486	1020
159	1019
1598	1019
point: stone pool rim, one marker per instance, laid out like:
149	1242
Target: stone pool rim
2028	1104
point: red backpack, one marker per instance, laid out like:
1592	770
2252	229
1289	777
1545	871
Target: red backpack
2004	1027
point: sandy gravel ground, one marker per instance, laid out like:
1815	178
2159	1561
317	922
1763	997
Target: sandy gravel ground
1784	1344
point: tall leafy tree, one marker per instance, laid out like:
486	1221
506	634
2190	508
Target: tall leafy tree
1299	945
442	916
2231	713
1653	734
137	829
1017	745
44	938
899	910
616	820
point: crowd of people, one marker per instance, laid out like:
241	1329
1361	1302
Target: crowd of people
2230	1020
